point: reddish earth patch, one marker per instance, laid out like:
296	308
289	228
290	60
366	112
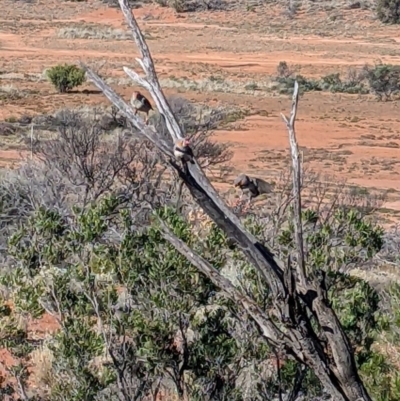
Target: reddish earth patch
9	158
39	328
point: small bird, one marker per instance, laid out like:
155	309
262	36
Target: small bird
252	185
140	103
183	151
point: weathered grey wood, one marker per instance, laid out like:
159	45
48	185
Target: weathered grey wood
344	367
290	124
151	81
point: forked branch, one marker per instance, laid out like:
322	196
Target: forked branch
151	81
334	367
197	182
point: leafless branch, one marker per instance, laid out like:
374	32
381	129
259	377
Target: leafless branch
197	182
344	366
290	124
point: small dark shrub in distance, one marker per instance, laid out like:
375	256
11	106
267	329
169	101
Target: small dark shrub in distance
65	77
334	84
306	85
283	70
384	80
388	11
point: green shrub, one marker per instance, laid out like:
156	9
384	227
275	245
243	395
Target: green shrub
334	84
305	84
383	80
356	82
67	267
66	77
388	11
331	79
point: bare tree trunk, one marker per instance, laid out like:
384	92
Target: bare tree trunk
294	292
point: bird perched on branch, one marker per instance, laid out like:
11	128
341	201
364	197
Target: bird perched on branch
183	151
141	103
252	185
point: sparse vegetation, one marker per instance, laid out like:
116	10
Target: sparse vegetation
380	79
65	77
383	80
92	32
353	85
182	6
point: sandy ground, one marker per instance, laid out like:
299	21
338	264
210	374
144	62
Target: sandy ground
352	136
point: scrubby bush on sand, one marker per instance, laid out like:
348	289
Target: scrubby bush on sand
65	77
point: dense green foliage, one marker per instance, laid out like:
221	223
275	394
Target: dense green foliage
135	314
66	77
384	80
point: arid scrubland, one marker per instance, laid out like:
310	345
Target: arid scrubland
117	285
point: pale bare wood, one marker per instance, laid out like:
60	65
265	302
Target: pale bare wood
150	82
344	367
259	255
296	165
147	131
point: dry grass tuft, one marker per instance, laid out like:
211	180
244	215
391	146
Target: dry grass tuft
93	32
199	220
10	92
211	84
42	362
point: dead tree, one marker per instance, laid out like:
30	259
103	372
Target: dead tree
297	296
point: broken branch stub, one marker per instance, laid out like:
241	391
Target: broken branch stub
337	373
310	291
296	165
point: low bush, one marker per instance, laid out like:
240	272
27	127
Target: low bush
81	240
135	313
333	83
305	84
383	80
66	77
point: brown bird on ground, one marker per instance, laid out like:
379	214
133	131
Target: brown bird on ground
183	151
252	185
140	103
